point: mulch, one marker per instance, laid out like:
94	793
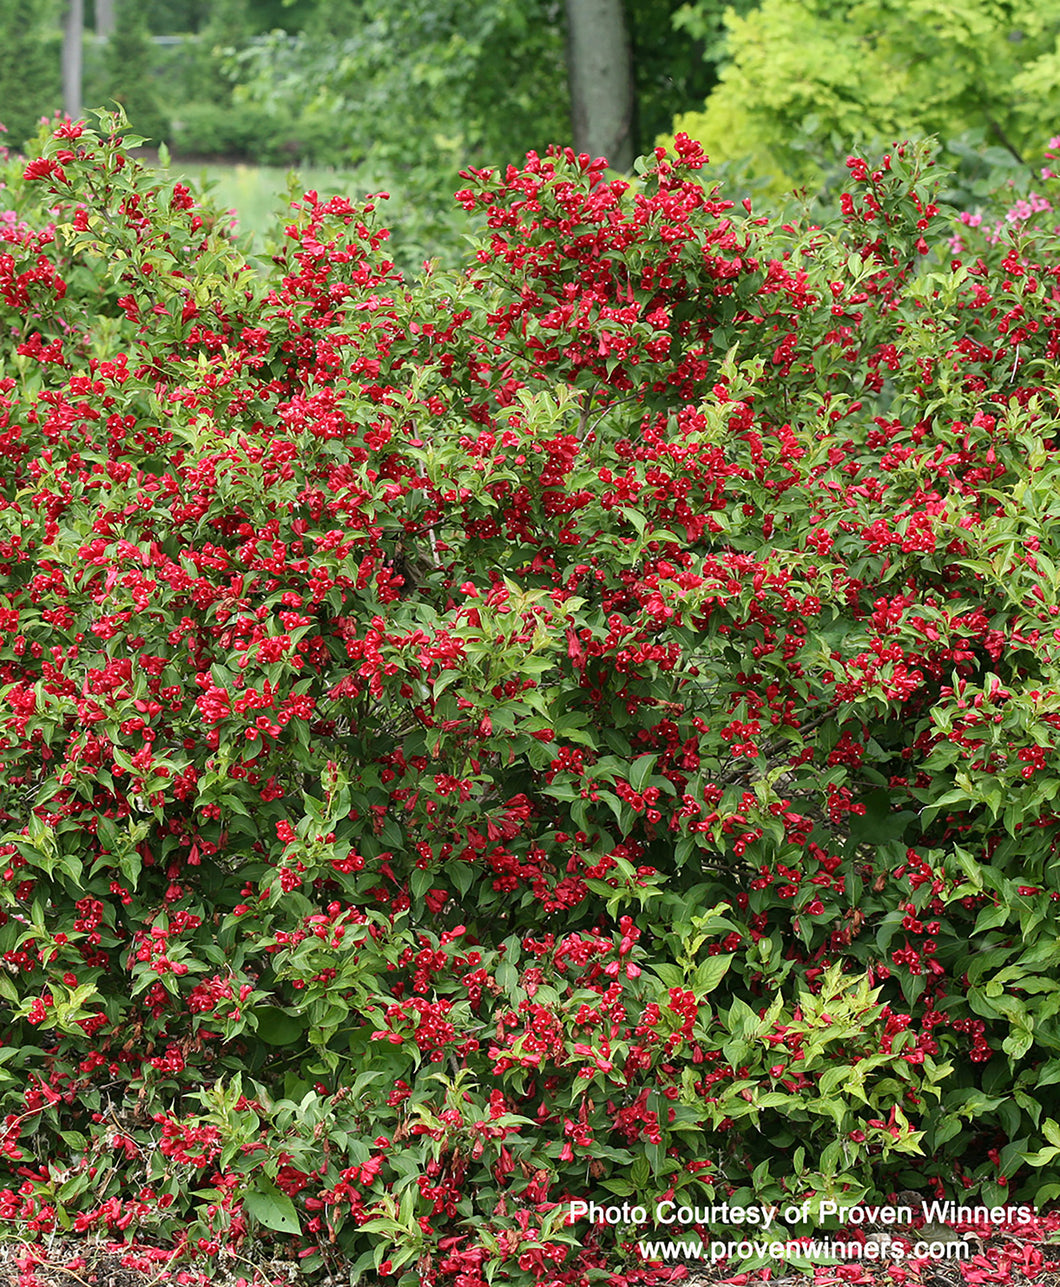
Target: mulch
1029	1257
62	1261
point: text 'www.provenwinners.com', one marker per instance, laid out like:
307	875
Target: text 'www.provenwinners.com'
814	1250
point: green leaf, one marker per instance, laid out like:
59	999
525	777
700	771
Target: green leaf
278	1028
711	973
640	773
990	918
268	1206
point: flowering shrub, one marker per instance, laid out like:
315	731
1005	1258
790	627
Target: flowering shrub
577	728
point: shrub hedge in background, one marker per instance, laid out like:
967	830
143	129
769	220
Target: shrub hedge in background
581	727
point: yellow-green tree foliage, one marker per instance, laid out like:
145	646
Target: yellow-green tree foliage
807	78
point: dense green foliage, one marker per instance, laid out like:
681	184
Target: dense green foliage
419	83
806	79
29	69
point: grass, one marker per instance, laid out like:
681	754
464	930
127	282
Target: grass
257	192
424	221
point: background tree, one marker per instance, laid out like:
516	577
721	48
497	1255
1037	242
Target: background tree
73	39
129	71
29	68
422	83
229	27
419	82
808	79
676	49
104	18
411	85
600	74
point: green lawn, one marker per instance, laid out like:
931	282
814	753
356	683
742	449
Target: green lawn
424	224
256	192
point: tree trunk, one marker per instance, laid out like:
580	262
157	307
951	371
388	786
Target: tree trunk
600	72
104	18
73	32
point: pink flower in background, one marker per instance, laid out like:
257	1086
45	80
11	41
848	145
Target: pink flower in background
1033	203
